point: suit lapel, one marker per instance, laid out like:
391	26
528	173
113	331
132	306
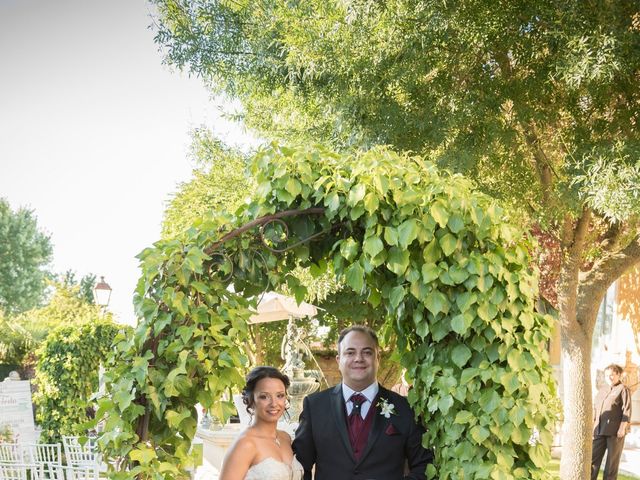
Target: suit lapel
379	424
338	408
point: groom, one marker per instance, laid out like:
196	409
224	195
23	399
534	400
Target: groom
359	430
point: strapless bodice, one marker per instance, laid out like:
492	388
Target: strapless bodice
272	469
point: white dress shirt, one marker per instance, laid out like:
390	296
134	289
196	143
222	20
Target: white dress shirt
369	393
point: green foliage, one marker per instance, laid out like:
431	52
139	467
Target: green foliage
219	182
67	307
85	286
6	436
537	101
453	279
15	342
67	377
25	253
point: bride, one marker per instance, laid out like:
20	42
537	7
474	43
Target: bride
262	452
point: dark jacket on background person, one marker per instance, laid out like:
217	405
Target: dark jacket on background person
611	407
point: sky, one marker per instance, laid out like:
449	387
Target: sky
94	131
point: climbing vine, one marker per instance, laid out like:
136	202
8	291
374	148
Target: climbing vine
67	377
452	276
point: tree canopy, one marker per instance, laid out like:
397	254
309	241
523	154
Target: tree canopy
67	307
503	91
25	253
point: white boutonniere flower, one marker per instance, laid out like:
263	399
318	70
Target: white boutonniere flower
386	409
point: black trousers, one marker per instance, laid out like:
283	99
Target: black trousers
613	446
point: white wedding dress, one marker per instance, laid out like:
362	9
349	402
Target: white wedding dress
272	469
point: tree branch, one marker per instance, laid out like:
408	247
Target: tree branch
573	240
542	162
604	272
611	239
261	221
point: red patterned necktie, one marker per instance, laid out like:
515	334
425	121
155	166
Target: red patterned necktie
355	418
356	423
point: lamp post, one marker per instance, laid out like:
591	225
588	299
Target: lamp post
102	294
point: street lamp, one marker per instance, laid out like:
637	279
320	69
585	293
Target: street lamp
102	293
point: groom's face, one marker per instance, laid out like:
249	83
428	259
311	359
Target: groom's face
358	360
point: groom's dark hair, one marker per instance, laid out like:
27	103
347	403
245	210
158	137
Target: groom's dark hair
358	328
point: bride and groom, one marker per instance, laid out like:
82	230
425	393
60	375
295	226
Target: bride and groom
355	430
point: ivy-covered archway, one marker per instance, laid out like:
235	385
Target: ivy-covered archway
453	274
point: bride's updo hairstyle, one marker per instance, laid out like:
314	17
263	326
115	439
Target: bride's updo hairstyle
253	377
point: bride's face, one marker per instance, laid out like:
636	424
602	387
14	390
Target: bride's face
270	397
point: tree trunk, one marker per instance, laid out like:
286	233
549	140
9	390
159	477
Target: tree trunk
577	427
576	333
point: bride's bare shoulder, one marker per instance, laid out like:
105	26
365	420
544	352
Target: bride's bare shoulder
284	436
239	458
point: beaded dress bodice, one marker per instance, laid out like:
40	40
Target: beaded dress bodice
272	469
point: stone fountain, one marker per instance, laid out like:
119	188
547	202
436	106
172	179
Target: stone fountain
303	382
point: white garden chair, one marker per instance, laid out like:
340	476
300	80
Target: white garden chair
11	453
78	455
44	452
48	458
82	473
19	471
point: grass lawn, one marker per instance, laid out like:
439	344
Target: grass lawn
555	466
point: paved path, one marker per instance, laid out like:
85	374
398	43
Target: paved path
630	464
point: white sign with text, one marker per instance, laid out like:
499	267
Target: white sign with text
16	411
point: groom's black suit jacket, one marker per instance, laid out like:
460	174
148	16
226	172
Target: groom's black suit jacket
322	440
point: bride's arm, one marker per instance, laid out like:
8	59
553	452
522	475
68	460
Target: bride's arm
238	459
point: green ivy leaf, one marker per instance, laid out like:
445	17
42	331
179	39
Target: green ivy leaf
461	323
479	434
440	213
349	248
398	260
465	300
489	401
356	194
455	223
436	302
391	236
142	454
432	252
464	416
332	202
371	202
448	244
396	295
293	187
430	271
457	274
408	232
300	293
445	403
355	277
460	355
372	246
